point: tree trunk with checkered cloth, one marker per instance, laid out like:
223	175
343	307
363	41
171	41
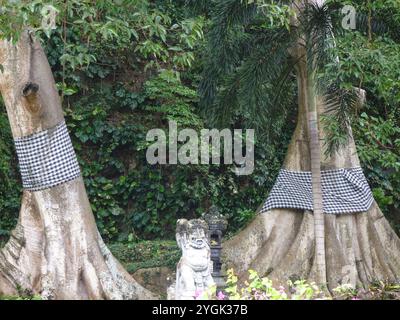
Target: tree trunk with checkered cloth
356	248
55	250
360	247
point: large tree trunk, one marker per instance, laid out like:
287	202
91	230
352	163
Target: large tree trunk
55	250
280	244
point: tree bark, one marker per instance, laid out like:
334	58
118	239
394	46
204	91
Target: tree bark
55	250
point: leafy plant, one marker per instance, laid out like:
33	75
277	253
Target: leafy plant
257	288
262	288
146	254
10	186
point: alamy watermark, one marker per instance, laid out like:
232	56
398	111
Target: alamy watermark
48	13
186	147
349	19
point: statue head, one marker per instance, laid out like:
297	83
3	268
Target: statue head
191	233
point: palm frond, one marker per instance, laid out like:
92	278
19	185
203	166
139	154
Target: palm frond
259	89
198	6
363	21
233	26
316	25
340	107
220	61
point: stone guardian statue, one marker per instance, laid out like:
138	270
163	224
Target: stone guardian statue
193	272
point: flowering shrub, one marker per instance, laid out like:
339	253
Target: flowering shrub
377	291
258	288
261	288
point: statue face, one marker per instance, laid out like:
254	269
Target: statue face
192	234
197	238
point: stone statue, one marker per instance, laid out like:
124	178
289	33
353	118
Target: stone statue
193	272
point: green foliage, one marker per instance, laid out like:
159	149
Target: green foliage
168	96
146	254
257	288
17	297
262	288
374	66
9	186
128	97
17	15
128	196
22	294
379	150
238	75
379	290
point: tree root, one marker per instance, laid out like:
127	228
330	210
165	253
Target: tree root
361	248
62	256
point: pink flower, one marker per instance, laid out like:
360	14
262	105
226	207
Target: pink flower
220	295
259	295
355	298
198	293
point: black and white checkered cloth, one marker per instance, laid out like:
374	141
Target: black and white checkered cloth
47	158
343	191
